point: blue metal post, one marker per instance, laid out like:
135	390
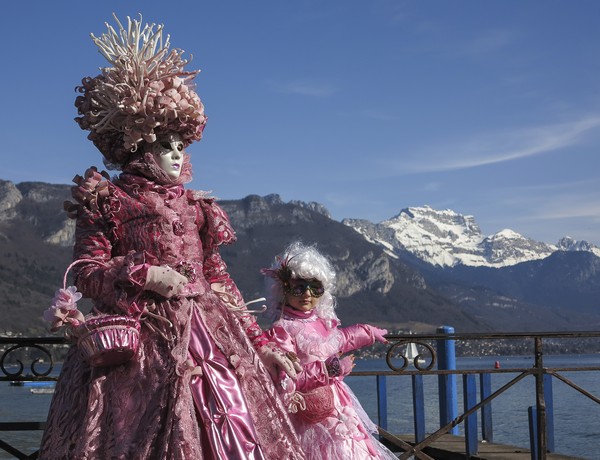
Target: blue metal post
533	432
487	429
447	383
382	418
418	407
549	398
470	400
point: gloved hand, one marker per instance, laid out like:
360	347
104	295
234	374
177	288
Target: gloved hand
361	335
275	360
378	333
164	281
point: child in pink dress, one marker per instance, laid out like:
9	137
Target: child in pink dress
329	419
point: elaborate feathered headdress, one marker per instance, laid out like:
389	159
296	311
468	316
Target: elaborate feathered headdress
146	92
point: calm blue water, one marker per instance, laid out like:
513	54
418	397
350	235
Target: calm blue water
577	418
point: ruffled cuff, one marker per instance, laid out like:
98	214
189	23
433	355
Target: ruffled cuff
130	280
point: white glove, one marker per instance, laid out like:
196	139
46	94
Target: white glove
274	360
164	281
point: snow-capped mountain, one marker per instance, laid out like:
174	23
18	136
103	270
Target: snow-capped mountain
447	238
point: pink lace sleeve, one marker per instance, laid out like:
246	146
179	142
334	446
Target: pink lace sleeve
116	284
218	231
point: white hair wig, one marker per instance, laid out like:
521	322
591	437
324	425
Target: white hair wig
299	261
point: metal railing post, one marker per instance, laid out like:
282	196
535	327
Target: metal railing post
540	401
469	401
447	383
382	418
418	407
549	398
487	426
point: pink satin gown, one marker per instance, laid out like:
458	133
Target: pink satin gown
197	389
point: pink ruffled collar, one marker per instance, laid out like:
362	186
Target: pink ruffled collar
138	185
297	314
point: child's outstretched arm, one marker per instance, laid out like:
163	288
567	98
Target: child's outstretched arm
361	335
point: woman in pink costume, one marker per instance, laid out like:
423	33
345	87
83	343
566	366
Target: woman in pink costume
199	386
329	419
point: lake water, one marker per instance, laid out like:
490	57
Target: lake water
576	417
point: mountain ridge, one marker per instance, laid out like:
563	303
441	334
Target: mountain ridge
447	239
377	283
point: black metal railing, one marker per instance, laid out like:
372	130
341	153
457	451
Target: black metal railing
27	359
435	358
34	359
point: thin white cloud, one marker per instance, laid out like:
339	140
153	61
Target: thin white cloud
436	38
304	88
377	115
498	147
555	186
570	208
487	42
553	202
432	186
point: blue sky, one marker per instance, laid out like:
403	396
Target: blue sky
488	108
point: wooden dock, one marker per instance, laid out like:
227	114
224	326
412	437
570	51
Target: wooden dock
449	447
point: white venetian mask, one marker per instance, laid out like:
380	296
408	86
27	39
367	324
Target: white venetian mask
168	153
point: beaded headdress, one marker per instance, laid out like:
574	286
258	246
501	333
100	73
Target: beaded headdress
144	93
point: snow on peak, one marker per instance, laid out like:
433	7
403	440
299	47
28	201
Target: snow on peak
447	238
443	238
569	244
508	234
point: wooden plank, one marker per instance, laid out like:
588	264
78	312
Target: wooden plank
450	447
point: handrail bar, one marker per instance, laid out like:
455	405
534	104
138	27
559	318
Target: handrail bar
528	344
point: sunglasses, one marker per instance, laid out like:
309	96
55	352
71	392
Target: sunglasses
299	287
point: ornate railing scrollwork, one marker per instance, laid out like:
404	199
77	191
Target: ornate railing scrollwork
29	358
34	363
422	358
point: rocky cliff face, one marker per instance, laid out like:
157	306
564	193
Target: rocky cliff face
39	206
10	196
268	222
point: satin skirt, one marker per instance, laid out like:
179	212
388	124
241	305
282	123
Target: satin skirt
227	428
